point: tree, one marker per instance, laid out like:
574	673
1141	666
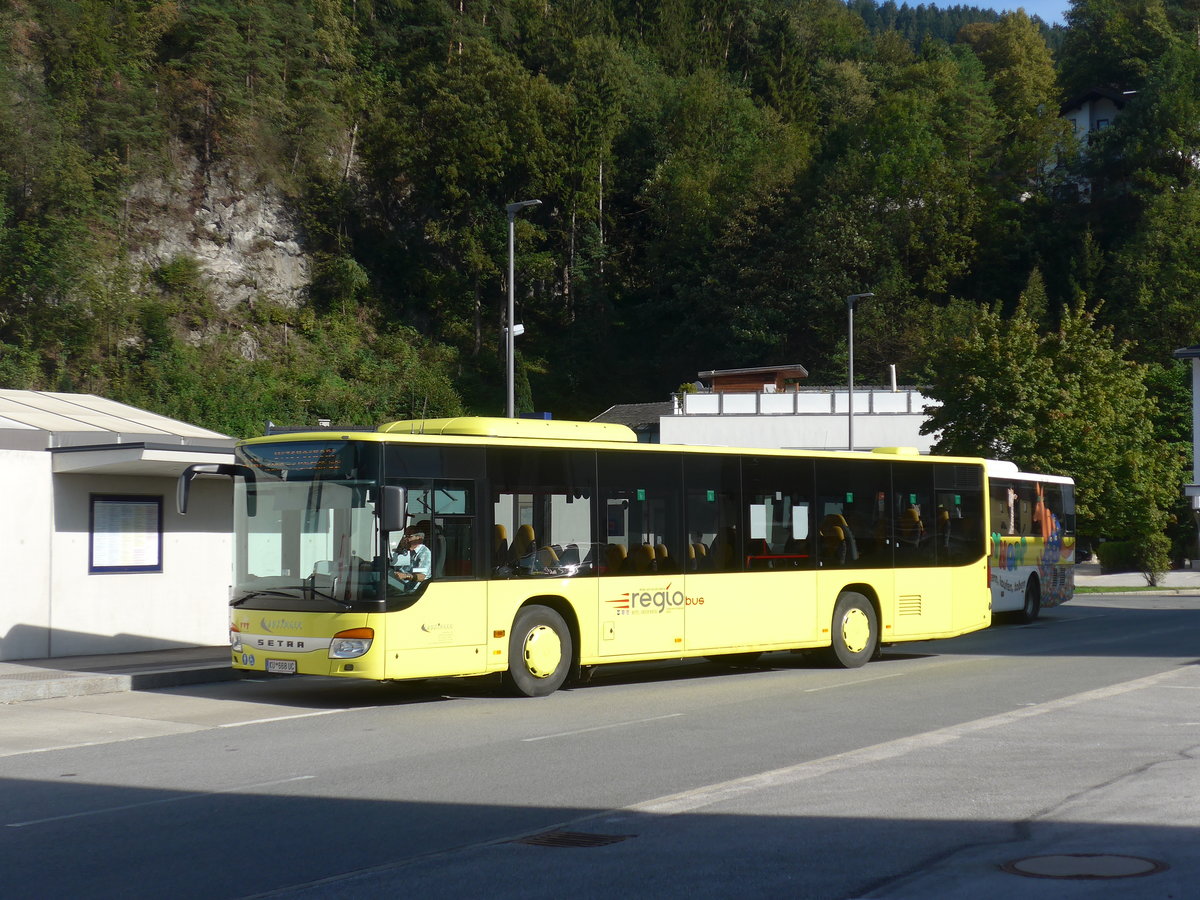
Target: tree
1025	92
1066	402
1112	42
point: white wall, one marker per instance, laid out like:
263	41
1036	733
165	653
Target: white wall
25	511
796	432
184	605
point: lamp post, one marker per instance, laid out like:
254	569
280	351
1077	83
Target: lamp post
851	302
510	332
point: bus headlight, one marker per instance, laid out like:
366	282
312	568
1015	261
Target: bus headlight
351	644
235	640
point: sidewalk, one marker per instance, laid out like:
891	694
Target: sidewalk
1088	575
75	676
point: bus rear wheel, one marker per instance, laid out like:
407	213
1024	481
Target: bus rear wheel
539	652
1033	601
855	631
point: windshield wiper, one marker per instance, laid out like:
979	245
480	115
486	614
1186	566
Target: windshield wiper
250	595
324	596
296	593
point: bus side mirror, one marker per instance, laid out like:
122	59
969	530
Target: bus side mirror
233	470
393	511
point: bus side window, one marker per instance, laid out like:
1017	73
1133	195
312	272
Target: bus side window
777	498
542	513
914	513
711	512
640	499
853	514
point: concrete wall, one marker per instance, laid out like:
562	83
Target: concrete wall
810	420
25	523
52	606
815	432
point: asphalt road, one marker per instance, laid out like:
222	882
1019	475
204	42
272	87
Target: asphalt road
919	775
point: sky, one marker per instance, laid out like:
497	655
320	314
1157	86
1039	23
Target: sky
1050	11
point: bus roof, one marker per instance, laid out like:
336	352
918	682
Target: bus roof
531	429
1002	468
495	431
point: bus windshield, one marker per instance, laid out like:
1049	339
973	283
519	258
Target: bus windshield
306	530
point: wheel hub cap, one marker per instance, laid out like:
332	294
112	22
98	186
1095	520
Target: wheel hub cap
856	631
543	652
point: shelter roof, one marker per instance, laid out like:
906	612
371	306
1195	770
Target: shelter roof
90	434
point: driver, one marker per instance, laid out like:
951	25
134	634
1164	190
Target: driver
412	561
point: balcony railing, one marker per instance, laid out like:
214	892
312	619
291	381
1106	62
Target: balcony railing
815	402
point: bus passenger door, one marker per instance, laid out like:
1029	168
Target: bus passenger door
438	627
752	547
642	598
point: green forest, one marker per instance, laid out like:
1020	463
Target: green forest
716	176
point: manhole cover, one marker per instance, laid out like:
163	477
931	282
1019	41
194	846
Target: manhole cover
572	839
1084	866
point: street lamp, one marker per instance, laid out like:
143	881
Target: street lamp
851	302
510	331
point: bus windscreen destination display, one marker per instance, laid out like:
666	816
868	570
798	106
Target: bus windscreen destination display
309	460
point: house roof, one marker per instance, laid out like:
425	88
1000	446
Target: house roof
1192	352
795	369
638	416
94	434
57	420
1116	95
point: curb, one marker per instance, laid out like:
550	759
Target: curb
52	684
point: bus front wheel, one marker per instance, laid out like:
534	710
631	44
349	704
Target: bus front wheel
1033	601
539	652
855	631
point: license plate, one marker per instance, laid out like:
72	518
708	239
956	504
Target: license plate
282	666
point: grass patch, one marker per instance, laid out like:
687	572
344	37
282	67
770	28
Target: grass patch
1115	589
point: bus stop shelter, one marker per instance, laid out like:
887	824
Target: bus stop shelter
96	558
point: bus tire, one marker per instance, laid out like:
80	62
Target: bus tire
1033	601
855	631
540	652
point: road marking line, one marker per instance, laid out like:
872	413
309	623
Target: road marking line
845	684
546	737
193	796
307	715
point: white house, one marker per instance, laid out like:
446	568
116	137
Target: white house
1094	110
766	407
95	556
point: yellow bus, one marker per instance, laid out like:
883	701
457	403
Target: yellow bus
1032	563
552	547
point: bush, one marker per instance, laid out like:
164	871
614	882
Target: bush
1153	553
1117	556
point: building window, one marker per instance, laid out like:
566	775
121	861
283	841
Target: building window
1101	124
125	533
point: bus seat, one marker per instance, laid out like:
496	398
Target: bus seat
663	560
833	545
722	551
524	543
499	542
547	558
616	557
943	524
642	558
910	526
